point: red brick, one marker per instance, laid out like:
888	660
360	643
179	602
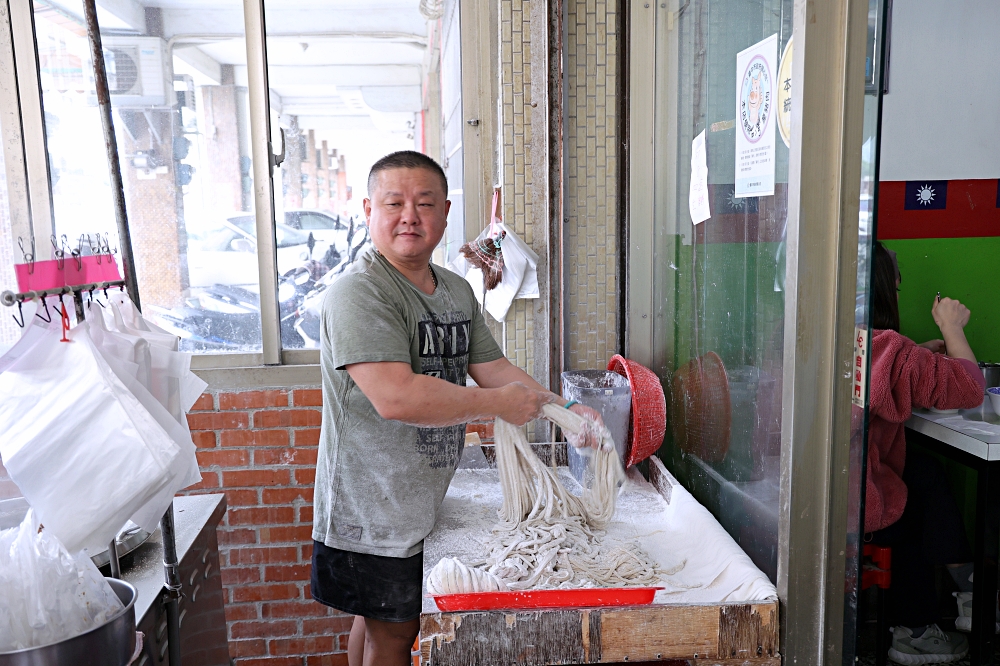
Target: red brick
307	397
328	625
204	439
241	497
338	659
272	592
285	495
231	537
218	420
262	516
235	612
205	402
286	574
342	641
250	648
262	629
307	437
230	458
485	430
289	456
307	645
296	534
305	476
253	400
287	609
254	438
305	514
208	480
273	661
307	552
286	418
256	477
272	555
240	575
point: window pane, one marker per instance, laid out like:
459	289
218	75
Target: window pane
180	113
346	90
720	283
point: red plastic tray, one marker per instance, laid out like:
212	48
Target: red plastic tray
577	598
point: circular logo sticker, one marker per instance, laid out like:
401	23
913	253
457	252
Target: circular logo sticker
755	99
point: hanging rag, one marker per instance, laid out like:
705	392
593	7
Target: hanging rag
484	252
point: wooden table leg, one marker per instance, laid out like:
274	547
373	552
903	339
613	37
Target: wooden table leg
987	544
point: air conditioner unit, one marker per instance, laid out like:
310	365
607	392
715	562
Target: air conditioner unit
139	75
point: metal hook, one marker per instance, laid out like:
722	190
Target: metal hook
20	310
45	302
58	252
29	257
77	252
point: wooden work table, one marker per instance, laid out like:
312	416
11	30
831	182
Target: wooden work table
697	633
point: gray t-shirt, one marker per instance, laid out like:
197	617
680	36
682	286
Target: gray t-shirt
380	483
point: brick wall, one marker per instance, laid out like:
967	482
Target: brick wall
259	448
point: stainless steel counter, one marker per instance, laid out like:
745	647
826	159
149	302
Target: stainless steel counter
975	431
202	610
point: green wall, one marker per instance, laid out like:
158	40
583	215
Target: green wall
964	268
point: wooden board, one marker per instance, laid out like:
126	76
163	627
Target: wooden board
740	633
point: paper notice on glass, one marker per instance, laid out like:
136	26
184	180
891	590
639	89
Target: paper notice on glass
756	68
698	196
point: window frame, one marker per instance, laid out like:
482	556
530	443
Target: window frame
29	182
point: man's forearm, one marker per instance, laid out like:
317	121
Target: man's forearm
432	402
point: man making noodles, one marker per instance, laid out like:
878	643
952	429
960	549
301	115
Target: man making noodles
398	338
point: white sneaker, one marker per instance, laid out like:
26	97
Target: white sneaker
964	620
931	647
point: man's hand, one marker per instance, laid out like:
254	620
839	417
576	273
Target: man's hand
590	437
520	404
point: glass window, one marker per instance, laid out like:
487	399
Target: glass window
344	93
180	114
720	283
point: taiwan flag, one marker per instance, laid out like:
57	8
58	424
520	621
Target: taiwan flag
938	209
926	195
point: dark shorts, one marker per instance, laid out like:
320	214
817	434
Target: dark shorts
372	586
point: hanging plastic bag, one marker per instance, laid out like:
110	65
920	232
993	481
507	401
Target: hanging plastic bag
83	449
519	275
46	594
171	379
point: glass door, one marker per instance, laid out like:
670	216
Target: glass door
738	255
870	149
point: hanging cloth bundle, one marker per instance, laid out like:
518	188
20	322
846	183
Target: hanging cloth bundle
485	253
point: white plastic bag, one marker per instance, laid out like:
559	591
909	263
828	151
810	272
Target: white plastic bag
46	594
520	274
84	450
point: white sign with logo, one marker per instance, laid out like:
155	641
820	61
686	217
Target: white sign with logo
756	69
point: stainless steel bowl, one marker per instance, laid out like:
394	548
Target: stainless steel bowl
111	644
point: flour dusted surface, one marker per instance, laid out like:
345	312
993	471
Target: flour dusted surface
684	533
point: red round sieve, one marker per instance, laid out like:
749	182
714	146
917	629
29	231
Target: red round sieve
700	408
649	409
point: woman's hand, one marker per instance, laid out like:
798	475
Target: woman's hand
951	317
949	313
936	346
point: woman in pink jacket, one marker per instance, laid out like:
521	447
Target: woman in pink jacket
908	504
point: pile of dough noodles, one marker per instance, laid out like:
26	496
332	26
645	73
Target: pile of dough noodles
547	537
